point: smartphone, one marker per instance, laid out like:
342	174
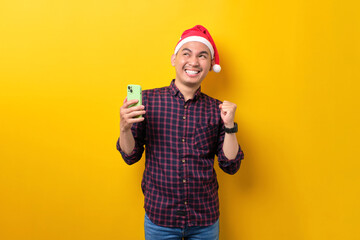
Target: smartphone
134	92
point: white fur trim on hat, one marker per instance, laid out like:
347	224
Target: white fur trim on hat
196	39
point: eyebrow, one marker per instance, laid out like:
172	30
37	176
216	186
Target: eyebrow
202	52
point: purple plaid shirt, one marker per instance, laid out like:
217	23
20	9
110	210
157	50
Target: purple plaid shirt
181	139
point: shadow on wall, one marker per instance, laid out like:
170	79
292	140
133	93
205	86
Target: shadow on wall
233	189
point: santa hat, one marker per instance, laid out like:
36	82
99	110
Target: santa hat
200	34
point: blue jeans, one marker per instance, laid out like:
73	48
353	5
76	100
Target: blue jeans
155	232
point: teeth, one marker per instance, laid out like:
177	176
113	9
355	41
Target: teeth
192	72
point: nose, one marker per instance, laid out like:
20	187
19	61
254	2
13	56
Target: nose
194	61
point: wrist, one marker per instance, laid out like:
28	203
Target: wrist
229	125
125	129
233	129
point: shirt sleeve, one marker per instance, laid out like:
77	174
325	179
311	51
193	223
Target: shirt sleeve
230	166
134	156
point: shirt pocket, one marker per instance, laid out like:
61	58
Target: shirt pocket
206	137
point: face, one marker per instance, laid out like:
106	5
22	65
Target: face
192	63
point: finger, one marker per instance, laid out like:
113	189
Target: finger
228	109
136	120
130	113
130	102
125	109
126	113
227	103
229	106
134	109
220	105
225	107
135	114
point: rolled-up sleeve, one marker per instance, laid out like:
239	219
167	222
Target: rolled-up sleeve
230	166
134	156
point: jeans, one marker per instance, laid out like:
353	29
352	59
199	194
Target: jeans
155	232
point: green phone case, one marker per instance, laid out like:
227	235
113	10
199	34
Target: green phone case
134	92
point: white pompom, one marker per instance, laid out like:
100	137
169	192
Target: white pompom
216	68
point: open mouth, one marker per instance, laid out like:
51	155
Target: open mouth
192	72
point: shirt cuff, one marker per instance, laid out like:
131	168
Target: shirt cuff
230	166
128	158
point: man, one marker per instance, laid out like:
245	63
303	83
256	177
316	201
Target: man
183	129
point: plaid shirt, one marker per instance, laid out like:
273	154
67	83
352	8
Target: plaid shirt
181	139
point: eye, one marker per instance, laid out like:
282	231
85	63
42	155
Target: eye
203	56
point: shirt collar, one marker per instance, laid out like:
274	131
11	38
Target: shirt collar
176	92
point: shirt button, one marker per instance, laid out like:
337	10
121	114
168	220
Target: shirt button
185	202
184	180
184	117
185	106
183	160
183	140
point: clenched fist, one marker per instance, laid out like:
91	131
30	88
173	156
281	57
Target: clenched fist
228	113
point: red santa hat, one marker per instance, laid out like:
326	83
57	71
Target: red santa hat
200	34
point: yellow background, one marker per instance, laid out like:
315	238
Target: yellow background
292	67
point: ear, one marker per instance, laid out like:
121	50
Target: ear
212	64
173	59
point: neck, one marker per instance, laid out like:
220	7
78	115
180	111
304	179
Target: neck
187	91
